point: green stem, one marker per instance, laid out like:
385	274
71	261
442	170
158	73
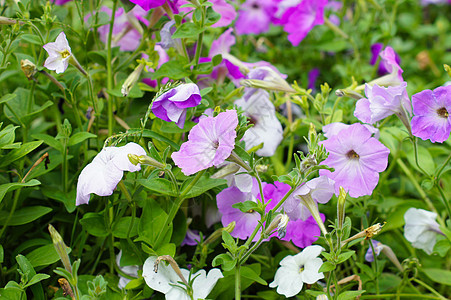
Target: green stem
389	296
415	147
11	212
445	201
439	171
429	288
237	282
109	69
375	266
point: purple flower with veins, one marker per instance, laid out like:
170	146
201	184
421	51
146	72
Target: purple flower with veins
334	128
300	19
171	106
303	233
320	189
378	246
431	111
381	102
209	143
254	16
357	158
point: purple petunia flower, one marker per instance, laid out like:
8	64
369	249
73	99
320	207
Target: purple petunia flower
303	233
254	16
390	61
431	110
171	106
149	4
60	2
357	159
334	128
192	238
378	246
381	102
300	19
209	143
312	76
387	58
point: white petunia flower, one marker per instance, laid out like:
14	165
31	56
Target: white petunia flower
297	269
103	174
421	228
129	270
59	54
267	128
169	283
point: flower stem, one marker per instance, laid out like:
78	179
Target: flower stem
237	282
109	69
428	288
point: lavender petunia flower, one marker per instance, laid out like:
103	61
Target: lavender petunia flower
431	111
105	171
60	2
59	54
334	128
378	246
254	16
209	143
357	159
387	58
390	61
192	238
300	19
149	4
171	106
381	102
312	76
303	233
267	128
421	228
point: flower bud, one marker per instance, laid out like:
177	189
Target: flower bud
28	68
145	160
131	80
60	248
341	207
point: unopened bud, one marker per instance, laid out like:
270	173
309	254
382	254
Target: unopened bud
60	248
28	68
273	84
447	69
131	80
341	207
218	233
8	21
348	93
145	160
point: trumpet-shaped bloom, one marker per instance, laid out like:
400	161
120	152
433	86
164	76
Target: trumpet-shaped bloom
149	4
296	270
171	106
357	159
255	16
267	128
303	233
387	61
209	143
421	228
378	246
431	111
59	54
167	281
381	102
105	171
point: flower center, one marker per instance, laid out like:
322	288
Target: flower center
250	211
255	6
301	268
65	53
352	155
442	112
216	144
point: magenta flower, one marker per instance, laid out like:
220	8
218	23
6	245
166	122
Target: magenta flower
61	2
171	106
300	19
312	77
381	102
390	61
303	233
209	143
255	16
192	238
105	171
384	66
149	4
357	159
431	110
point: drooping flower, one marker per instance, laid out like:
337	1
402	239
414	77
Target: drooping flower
303	233
357	159
377	248
105	171
300	19
209	143
421	229
296	270
267	128
171	106
166	281
255	16
167	41
381	102
431	111
59	54
385	66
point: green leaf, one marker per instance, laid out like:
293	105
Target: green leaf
2	254
174	69
68	199
159	185
9	187
94	224
438	275
326	267
18	110
15	154
250	274
135	283
204	184
44	256
348	295
247	206
366	269
80	137
425	159
147	133
229	242
151	223
7	136
7	97
121	227
442	247
187	30
37	278
224	259
31	38
24	216
345	256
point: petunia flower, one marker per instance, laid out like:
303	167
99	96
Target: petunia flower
105	171
59	54
209	143
60	2
431	111
267	128
381	102
166	281
377	248
296	270
149	4
386	58
300	19
357	158
303	233
128	270
312	77
334	128
171	106
421	229
255	16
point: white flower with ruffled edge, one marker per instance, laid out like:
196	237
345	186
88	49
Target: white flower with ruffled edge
297	270
105	171
169	283
421	229
59	54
